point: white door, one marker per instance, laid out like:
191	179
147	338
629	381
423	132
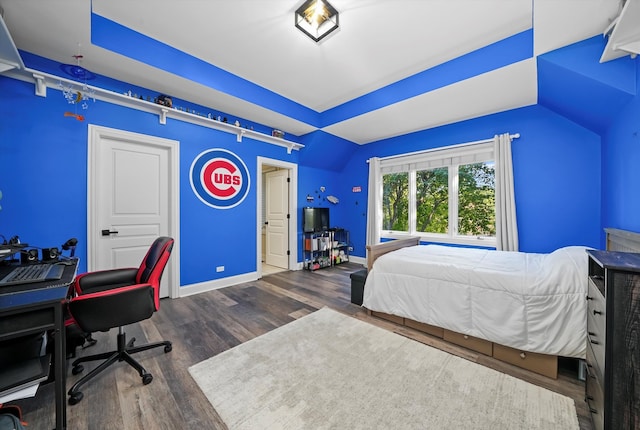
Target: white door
131	197
277	211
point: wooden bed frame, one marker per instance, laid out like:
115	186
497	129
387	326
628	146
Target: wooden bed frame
544	364
375	251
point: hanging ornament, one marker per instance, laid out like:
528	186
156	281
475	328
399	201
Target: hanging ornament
77	95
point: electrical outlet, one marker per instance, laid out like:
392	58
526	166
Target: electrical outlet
220	269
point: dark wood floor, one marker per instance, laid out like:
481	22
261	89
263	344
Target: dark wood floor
206	324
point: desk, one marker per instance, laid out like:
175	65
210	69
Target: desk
36	309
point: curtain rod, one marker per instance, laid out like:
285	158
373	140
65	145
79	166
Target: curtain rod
457	145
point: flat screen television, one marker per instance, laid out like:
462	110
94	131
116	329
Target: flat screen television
315	219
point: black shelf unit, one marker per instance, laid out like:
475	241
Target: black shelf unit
325	248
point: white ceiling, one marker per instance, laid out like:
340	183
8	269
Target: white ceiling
379	42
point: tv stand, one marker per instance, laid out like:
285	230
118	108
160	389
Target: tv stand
325	248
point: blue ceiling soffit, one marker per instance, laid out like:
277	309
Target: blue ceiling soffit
122	40
115	37
507	51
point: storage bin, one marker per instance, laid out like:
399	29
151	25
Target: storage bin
357	286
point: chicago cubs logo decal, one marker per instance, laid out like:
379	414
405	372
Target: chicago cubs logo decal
219	178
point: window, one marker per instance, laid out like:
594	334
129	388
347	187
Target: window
395	202
443	195
432	200
477	199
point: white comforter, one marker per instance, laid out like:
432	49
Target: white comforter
533	302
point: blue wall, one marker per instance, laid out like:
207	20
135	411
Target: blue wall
44	179
621	162
575	164
556	174
572	178
43	160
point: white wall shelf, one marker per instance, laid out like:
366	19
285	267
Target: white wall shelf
42	81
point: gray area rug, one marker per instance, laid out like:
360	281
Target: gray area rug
330	371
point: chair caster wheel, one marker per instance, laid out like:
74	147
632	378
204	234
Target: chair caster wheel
147	378
168	348
77	369
75	398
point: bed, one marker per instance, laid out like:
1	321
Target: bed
523	308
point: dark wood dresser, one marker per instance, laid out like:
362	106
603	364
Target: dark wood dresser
613	341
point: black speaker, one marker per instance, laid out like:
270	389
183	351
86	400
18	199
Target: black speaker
50	254
29	256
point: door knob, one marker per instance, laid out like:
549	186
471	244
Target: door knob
108	232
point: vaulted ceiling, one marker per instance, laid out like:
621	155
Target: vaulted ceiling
393	66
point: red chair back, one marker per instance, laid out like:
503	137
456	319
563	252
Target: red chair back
153	265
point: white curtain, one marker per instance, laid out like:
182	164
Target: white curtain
374	202
506	223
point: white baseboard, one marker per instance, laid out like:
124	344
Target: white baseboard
359	260
201	287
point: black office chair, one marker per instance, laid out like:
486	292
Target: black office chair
114	298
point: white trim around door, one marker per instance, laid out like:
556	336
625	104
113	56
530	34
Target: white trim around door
96	134
293	211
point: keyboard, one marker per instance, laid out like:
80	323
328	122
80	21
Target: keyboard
33	273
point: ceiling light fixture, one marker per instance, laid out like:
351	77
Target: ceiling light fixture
316	19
